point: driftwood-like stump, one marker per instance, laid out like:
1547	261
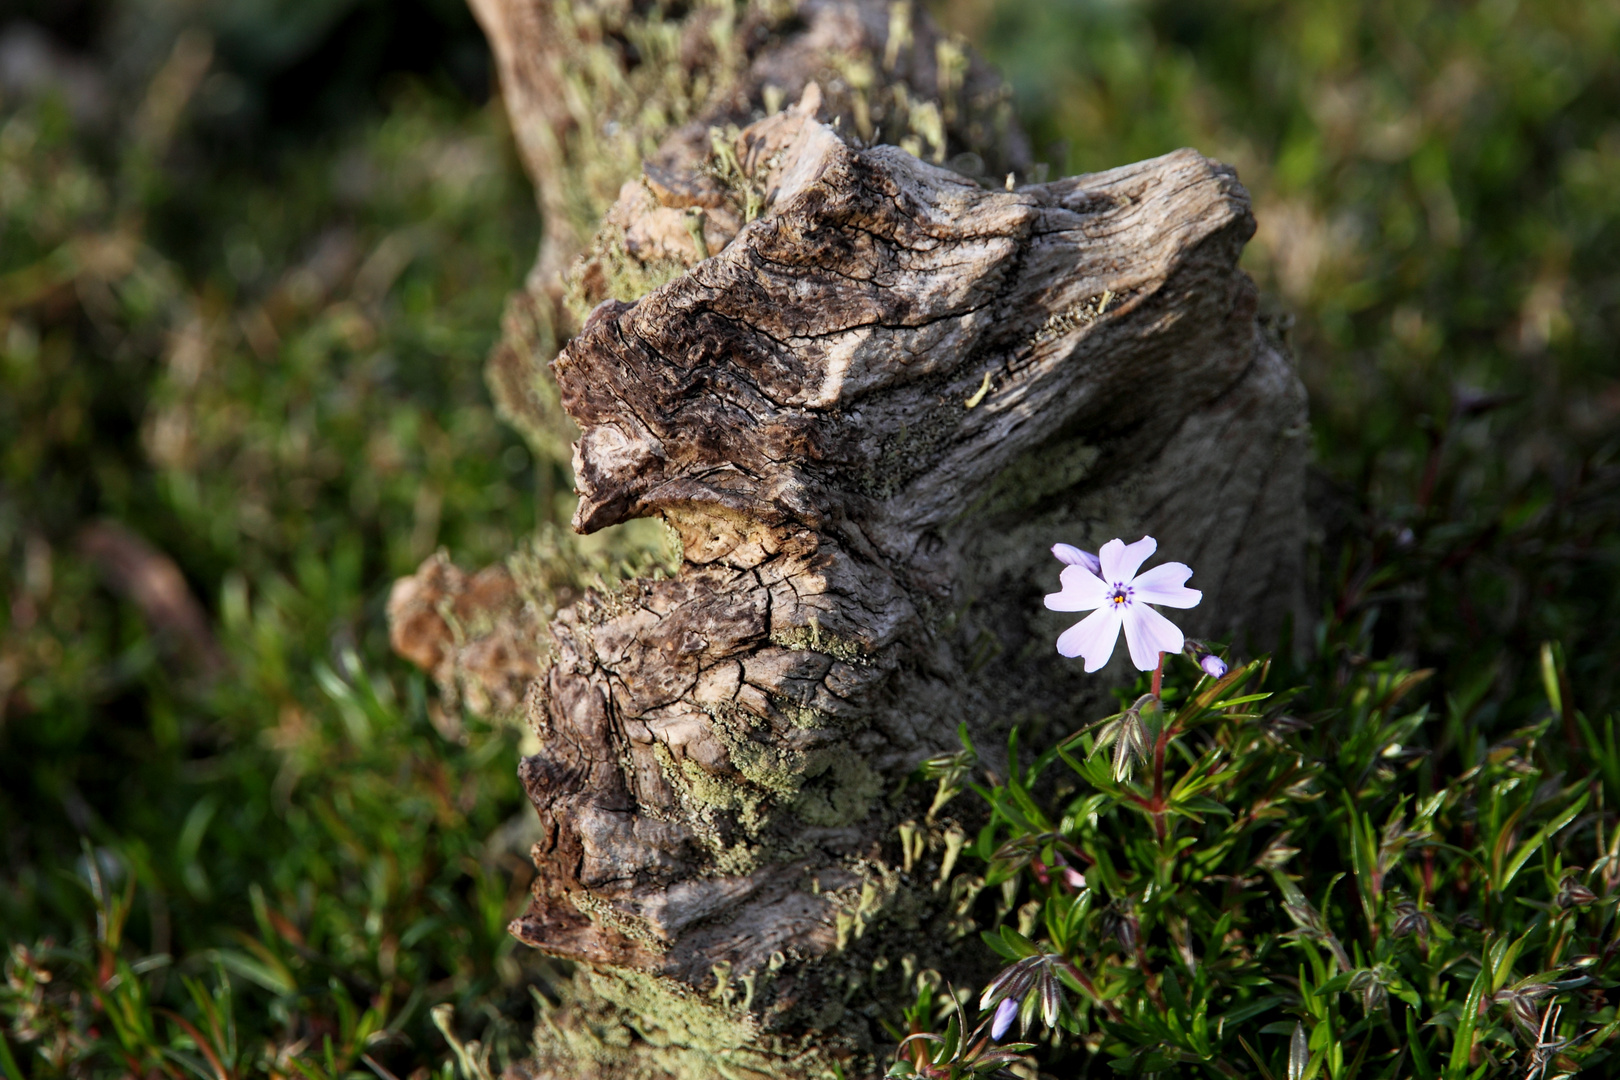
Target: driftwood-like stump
869	395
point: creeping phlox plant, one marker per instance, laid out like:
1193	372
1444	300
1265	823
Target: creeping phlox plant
1232	878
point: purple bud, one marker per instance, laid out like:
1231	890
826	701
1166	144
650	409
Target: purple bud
1075	878
1213	665
1068	553
1004	1018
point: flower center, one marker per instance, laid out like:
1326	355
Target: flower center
1120	596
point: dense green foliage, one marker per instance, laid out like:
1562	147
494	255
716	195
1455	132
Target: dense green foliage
265	848
1276	882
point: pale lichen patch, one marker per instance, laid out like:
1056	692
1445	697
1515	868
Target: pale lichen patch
1074	316
779	771
634	1025
842	794
634	927
814	639
609	271
1037	476
716	802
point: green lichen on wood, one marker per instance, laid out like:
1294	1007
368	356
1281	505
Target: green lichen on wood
825	787
839	790
802	716
893	928
820	788
634	1025
777	771
1034	477
610	272
621	112
553	566
889	111
813	638
715	803
705	791
741	183
604	913
910	450
524	392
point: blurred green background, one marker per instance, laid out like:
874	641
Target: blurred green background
252	256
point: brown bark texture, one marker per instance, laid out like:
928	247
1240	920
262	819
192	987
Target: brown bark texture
867	385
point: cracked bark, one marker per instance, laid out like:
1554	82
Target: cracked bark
867	392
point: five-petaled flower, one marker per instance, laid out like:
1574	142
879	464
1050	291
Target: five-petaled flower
1118	597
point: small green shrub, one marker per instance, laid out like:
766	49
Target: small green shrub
1237	880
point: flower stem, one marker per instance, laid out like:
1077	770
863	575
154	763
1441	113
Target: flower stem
1158	754
1158	783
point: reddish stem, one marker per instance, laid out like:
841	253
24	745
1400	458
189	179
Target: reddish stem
1158	764
1158	676
1158	780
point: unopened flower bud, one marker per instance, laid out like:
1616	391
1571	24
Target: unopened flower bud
1213	665
1409	920
1004	1018
1074	878
1571	893
1073	556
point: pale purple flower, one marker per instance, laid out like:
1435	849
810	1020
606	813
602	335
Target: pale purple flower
1004	1018
1075	879
1213	665
1068	553
1120	597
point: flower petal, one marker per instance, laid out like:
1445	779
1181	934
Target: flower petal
1092	637
1072	555
1148	634
1165	584
1120	560
1004	1018
1082	591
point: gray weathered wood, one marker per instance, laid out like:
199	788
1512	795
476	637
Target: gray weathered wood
869	395
591	85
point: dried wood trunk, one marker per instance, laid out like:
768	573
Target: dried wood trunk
592	85
868	392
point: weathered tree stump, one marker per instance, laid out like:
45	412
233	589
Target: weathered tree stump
868	392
